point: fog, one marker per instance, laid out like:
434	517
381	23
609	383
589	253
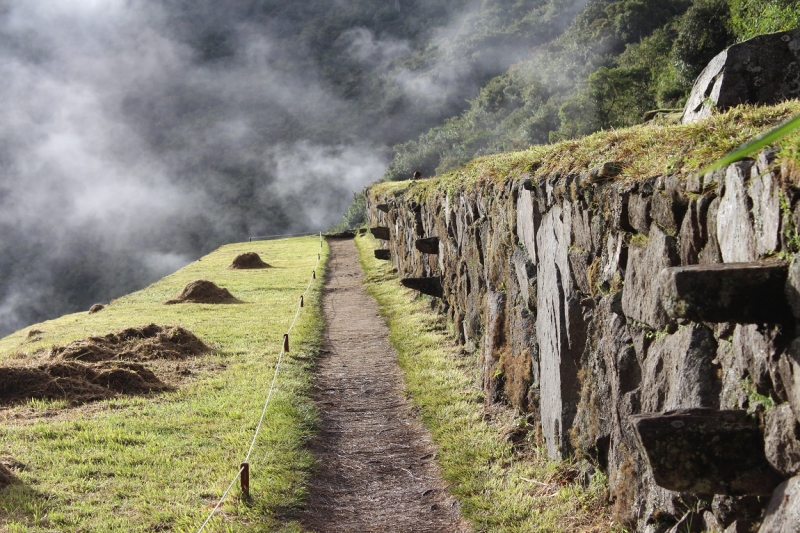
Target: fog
136	136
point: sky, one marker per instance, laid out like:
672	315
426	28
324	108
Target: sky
136	136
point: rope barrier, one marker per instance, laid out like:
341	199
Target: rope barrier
245	465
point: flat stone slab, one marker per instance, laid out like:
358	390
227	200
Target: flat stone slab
384	255
429	245
744	293
706	451
382	207
380	232
429	286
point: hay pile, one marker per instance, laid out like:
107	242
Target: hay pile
100	367
204	292
248	260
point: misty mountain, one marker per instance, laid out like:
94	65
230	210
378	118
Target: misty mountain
135	136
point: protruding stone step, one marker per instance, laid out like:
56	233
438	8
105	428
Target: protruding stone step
380	232
428	245
745	293
706	451
385	255
382	207
429	286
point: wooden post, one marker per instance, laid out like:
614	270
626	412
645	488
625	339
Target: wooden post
313	274
245	480
286	343
301	300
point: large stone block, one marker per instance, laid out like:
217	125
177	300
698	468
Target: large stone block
783	511
744	293
734	229
705	451
762	70
561	333
680	372
640	298
781	443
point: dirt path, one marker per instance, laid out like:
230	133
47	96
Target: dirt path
376	462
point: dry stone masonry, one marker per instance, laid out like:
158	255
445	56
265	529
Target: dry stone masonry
647	325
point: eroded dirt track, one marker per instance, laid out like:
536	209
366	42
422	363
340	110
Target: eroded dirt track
376	469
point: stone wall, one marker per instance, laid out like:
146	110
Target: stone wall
569	290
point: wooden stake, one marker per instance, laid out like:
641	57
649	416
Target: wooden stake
313	274
286	343
301	300
245	479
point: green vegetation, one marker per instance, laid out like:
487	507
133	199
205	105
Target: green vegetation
641	152
617	64
161	462
503	486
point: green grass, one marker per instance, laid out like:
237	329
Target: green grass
502	487
160	463
641	151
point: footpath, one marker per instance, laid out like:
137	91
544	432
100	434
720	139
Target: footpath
376	464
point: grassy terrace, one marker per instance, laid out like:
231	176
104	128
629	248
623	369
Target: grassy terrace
502	486
160	462
641	151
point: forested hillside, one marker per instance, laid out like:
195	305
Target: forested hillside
617	64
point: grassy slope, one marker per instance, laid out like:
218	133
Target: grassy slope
642	151
160	463
502	488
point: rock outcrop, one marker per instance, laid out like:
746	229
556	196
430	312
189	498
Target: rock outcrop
763	70
590	301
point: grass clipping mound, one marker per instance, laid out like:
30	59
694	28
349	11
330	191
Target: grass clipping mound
204	292
100	367
248	260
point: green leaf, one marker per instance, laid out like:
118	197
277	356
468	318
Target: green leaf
765	139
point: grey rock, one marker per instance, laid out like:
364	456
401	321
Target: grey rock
781	443
744	293
639	213
792	288
384	255
429	245
731	509
734	226
640	299
382	207
526	276
561	333
763	70
789	369
691	522
711	253
679	371
783	512
527	223
763	191
430	286
493	343
740	526
380	232
692	238
706	451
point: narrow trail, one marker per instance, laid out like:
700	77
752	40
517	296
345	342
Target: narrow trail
376	469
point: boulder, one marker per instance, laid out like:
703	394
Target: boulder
706	451
762	70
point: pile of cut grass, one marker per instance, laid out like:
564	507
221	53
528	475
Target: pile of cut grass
160	462
503	486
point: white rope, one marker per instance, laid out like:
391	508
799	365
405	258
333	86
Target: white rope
220	501
269	396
